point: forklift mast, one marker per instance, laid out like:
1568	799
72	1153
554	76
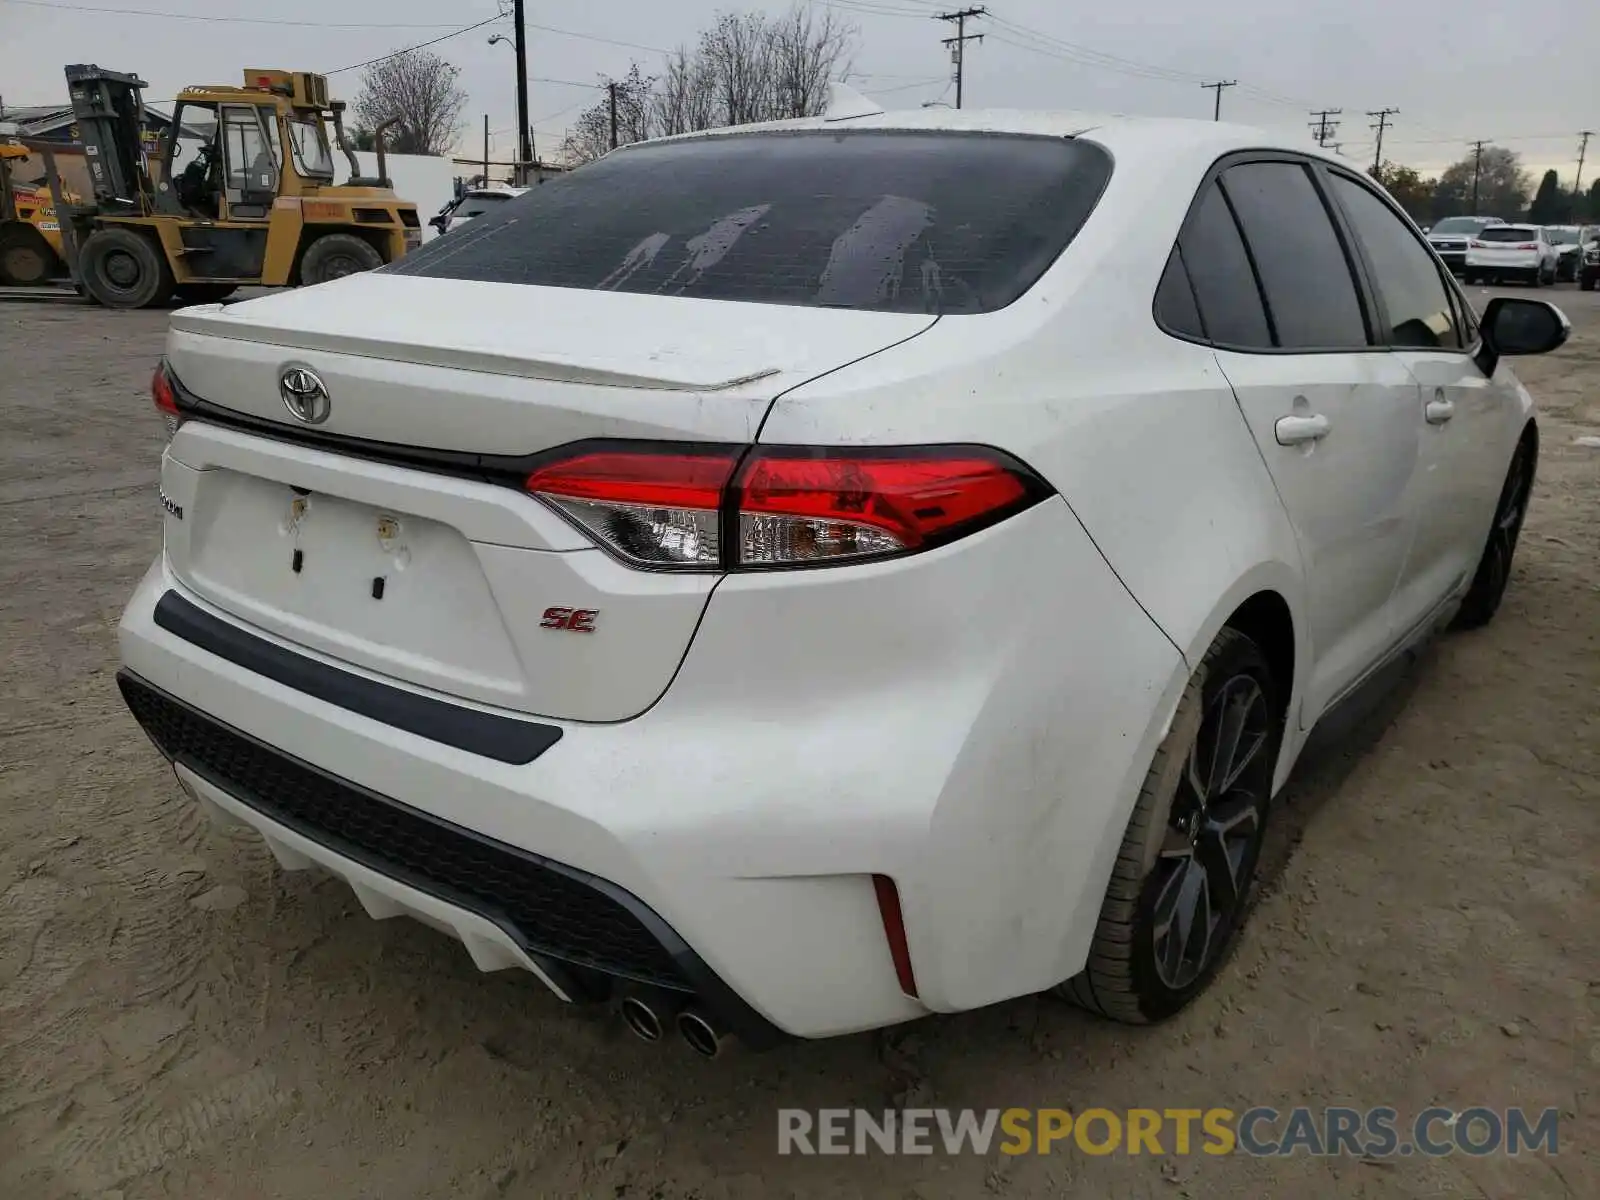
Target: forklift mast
109	111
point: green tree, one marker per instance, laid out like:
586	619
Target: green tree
1503	186
1594	200
1546	206
1410	191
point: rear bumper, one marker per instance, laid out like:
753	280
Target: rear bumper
983	752
1509	263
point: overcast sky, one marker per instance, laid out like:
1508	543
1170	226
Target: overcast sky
1525	76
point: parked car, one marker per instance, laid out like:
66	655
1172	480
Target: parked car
1570	241
1502	252
471	204
794	580
1449	238
1590	271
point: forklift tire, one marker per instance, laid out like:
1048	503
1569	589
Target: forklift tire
335	255
26	259
204	293
123	269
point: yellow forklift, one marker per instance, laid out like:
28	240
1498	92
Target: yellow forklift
30	235
240	194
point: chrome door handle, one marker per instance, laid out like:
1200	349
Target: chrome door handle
1439	411
1296	431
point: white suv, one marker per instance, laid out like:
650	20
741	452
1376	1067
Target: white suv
795	579
1502	252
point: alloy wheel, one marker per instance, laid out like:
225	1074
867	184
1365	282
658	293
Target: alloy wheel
1214	832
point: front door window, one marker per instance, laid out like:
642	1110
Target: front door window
251	157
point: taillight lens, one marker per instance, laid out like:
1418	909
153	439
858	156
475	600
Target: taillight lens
728	509
166	399
803	508
1477	245
653	510
1528	246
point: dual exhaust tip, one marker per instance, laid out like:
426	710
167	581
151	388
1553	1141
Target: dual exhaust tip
648	1017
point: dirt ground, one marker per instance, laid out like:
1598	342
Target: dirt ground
180	1019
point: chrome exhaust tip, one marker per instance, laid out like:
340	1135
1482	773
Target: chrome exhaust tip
641	1017
704	1034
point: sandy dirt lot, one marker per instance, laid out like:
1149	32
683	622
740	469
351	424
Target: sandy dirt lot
180	1019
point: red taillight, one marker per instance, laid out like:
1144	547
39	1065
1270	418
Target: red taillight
166	398
894	930
1477	245
1527	246
689	509
806	508
652	509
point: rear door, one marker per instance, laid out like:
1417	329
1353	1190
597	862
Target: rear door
1466	420
1333	415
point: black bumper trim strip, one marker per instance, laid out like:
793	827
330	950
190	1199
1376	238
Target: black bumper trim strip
504	739
753	1029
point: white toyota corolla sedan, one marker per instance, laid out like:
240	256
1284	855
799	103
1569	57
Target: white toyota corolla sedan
790	580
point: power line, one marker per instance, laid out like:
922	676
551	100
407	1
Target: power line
958	44
1383	115
1216	113
407	49
1322	128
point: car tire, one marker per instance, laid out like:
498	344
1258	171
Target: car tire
1493	575
1586	284
1181	846
335	255
124	269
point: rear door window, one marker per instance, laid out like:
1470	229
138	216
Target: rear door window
1176	311
1304	273
878	220
1224	283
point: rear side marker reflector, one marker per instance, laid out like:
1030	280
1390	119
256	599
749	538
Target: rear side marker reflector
894	929
774	507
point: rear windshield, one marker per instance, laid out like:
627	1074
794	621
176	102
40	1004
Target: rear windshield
1508	233
887	221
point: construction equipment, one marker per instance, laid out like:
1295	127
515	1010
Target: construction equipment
30	234
241	192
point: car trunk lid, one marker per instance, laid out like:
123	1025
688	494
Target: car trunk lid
329	538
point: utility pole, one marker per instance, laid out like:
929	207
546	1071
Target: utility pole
611	93
1477	169
524	140
1322	128
1216	112
1583	146
958	44
1383	115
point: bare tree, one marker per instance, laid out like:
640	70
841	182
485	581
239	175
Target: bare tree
747	67
590	135
420	89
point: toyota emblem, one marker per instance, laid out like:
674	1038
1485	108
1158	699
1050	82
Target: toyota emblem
304	395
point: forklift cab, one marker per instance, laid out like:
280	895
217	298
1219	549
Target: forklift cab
223	161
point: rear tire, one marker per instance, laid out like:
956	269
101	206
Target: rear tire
1586	284
1181	885
1494	567
335	255
26	259
124	269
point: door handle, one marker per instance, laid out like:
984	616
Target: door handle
1439	411
1296	431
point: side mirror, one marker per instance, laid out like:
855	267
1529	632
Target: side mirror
1514	326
